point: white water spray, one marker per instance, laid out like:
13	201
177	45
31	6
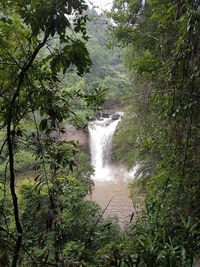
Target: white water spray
101	134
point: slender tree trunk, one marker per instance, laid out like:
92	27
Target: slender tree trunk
14	197
10	135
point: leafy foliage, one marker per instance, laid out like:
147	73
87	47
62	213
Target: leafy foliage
43	59
161	129
39	40
107	70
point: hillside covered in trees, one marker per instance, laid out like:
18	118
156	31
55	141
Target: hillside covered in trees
55	71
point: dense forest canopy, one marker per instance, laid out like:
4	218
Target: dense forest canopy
55	71
107	70
161	129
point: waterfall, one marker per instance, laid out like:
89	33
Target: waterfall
101	133
111	178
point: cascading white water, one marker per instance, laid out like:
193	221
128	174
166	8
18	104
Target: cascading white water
101	133
111	178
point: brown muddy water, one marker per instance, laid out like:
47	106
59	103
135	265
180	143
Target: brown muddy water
116	192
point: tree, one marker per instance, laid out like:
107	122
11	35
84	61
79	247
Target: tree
107	69
161	129
38	41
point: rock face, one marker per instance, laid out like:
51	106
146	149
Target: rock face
72	134
81	137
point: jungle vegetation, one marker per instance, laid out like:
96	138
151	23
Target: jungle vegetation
54	71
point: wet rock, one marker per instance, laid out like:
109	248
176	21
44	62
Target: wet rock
92	118
105	115
98	115
115	117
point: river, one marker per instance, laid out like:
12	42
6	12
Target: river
111	179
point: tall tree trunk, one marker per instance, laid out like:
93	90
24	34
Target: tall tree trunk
14	197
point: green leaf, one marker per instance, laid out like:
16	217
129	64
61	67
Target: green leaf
43	125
